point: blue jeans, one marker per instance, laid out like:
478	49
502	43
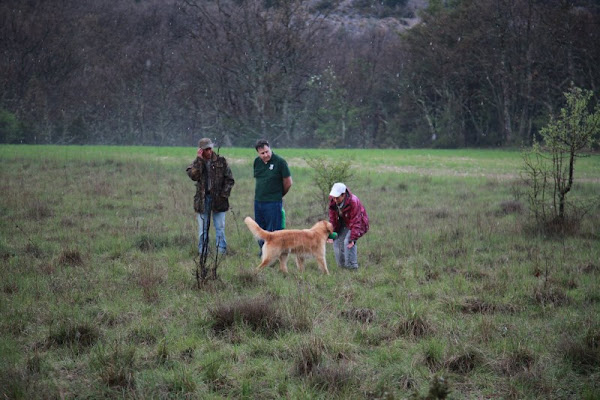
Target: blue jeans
218	223
345	257
267	215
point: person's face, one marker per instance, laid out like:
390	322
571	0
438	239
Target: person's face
206	153
264	153
340	198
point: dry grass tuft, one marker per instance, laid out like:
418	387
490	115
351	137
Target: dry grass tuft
248	277
363	315
547	294
414	327
33	250
310	356
259	314
332	378
463	363
591	268
520	361
70	257
476	306
10	288
584	352
66	335
510	207
39	211
146	242
150	280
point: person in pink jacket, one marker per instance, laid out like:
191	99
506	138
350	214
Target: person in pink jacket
350	221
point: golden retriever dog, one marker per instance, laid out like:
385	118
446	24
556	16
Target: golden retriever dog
300	242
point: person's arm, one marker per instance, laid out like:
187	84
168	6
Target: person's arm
354	223
228	181
194	170
287	184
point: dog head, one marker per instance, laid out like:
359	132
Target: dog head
328	227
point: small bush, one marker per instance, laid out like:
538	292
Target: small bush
326	173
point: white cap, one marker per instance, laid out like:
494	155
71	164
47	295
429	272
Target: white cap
337	189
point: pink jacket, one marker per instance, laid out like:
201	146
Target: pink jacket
353	215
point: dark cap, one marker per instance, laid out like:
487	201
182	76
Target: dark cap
205	143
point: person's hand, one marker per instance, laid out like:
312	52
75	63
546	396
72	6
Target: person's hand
199	152
329	240
350	245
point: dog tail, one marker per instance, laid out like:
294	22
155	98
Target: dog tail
256	230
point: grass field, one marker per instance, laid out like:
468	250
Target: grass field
455	293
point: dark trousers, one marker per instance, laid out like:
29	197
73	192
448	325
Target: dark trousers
267	215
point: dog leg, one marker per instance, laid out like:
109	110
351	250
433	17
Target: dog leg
283	262
322	264
267	258
300	263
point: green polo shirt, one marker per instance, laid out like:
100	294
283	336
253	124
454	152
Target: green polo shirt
269	178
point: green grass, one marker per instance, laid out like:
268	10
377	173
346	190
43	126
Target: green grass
98	296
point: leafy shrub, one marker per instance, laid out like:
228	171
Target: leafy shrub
326	173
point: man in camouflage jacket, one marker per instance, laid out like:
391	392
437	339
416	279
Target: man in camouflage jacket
214	182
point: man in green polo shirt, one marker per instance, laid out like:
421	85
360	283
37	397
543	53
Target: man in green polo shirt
273	181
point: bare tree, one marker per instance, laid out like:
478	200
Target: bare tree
254	63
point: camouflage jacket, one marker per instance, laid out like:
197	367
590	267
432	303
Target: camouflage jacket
220	180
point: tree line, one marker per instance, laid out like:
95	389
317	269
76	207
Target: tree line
165	72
